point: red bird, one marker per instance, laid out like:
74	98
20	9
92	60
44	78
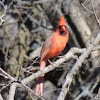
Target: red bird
51	48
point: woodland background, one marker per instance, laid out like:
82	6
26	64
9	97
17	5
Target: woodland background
25	25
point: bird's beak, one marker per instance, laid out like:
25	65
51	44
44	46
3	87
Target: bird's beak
63	28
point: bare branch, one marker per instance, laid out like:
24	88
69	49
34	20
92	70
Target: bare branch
56	64
86	8
76	67
89	89
1	98
6	75
69	55
3	15
95	12
13	88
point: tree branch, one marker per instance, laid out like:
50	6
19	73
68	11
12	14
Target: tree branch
76	67
69	55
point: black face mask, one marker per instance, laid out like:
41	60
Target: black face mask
62	32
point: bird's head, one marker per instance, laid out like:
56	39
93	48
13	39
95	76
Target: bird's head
62	26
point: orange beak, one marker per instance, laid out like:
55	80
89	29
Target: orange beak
63	28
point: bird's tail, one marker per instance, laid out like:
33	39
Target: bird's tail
39	87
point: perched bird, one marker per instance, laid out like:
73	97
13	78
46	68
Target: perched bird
51	48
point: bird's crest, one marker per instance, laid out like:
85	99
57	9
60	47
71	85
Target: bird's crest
62	21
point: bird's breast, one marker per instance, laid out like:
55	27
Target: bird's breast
58	44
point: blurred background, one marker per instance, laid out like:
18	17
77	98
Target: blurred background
25	25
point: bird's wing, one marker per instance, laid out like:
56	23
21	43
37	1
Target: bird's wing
46	47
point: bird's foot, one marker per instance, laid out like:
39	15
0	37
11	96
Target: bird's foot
50	62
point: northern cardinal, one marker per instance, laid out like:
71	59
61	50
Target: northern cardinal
51	48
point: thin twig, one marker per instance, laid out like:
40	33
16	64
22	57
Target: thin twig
95	12
3	15
87	8
7	75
